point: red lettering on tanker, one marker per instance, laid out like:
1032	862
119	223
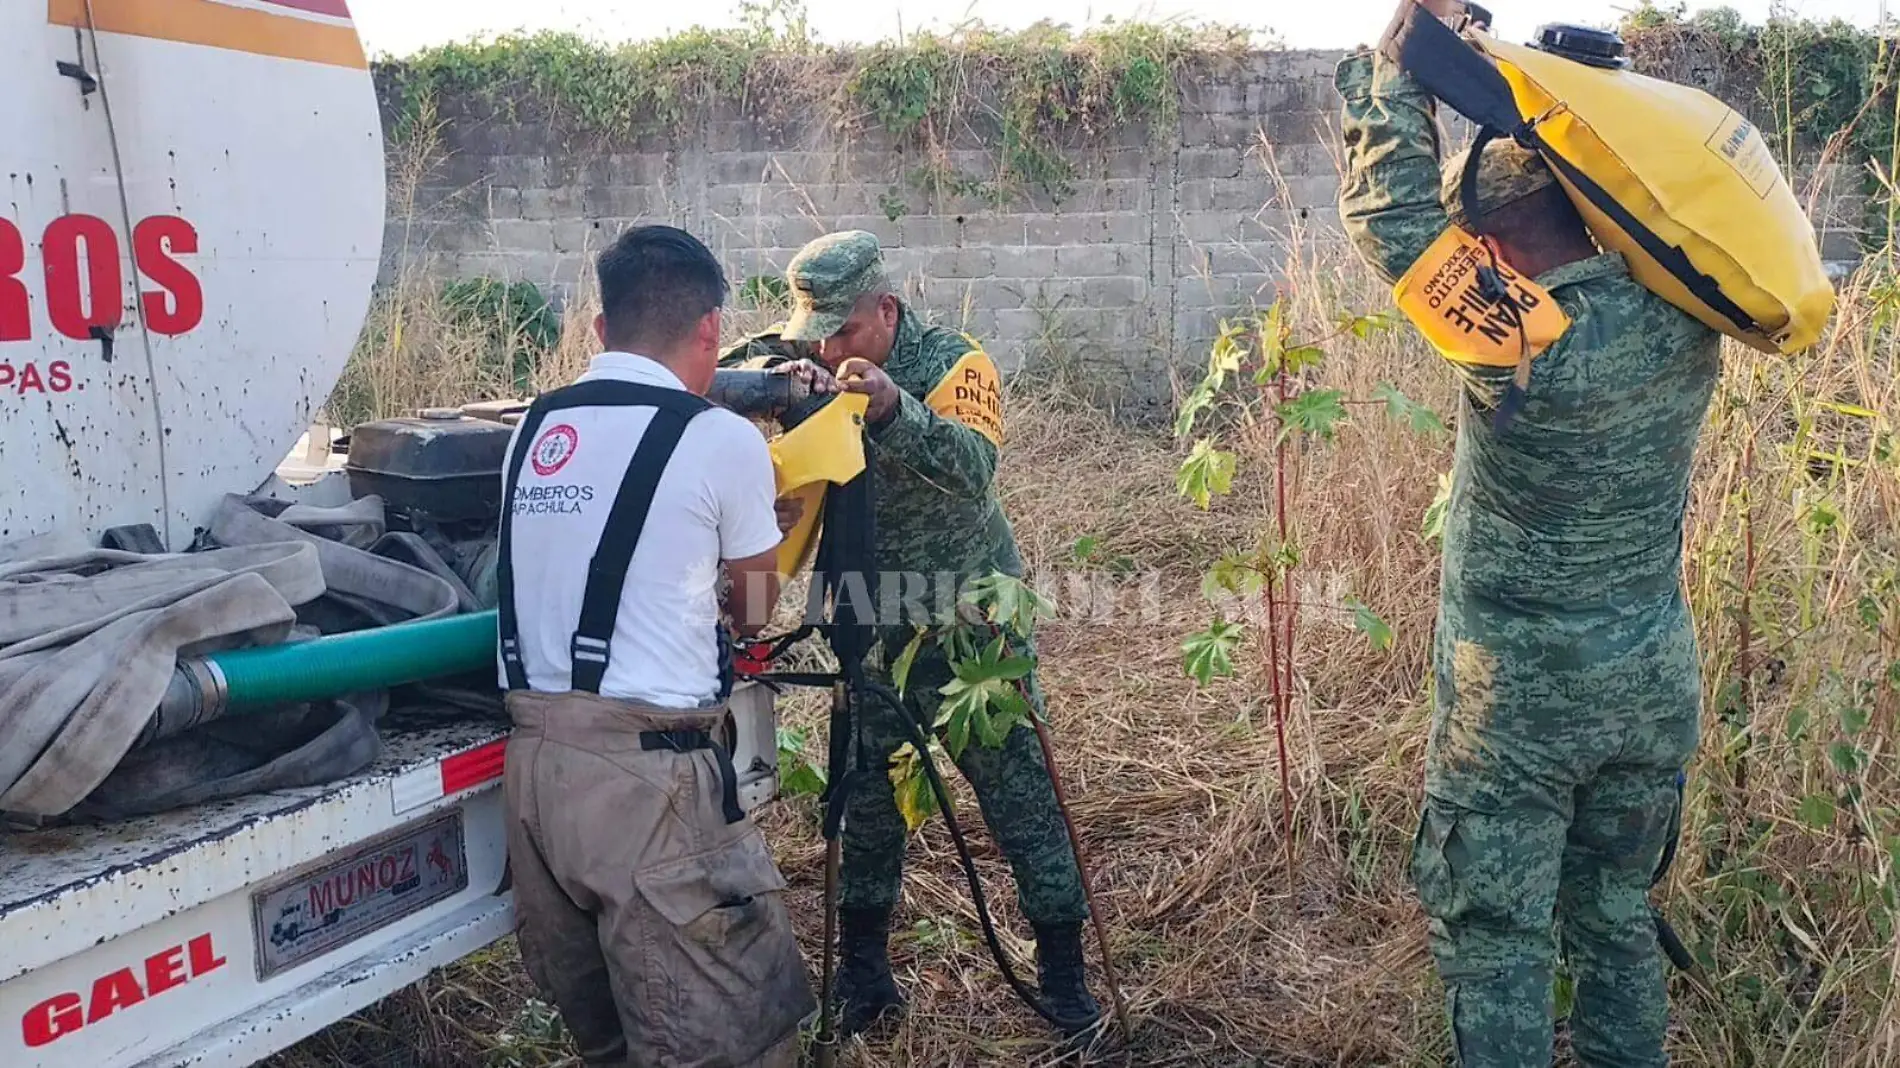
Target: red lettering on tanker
372	877
116	991
81	288
15	305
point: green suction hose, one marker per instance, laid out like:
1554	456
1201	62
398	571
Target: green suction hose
372	659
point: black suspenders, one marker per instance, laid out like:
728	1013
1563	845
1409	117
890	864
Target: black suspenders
592	644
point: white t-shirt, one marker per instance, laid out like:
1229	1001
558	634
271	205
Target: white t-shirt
713	503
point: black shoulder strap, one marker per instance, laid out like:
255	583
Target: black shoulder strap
1453	71
507	623
607	572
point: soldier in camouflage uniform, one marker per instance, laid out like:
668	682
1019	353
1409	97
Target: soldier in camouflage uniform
1567	692
940	524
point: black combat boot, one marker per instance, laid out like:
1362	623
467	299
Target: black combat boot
1059	969
865	989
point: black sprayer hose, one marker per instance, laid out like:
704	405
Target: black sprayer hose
922	745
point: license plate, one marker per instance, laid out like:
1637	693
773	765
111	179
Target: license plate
375	885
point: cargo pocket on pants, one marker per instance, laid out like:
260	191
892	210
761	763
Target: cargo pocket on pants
1432	876
727	981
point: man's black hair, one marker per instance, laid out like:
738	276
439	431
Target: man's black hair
655	283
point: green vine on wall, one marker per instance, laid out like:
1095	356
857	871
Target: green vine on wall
1024	93
1020	96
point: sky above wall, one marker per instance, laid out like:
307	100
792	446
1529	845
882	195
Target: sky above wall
400	26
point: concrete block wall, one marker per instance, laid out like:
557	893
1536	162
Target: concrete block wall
1121	281
1160	235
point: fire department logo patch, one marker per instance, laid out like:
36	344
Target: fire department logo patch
554	449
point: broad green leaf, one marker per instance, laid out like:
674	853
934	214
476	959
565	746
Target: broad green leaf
1206	472
1301	357
911	786
802	778
1797	723
1273	332
900	670
956	735
1870	611
1846	757
1854	718
1317	412
1285	558
1009	709
1084	547
797	775
1009	602
1232	573
1817	811
1198	400
1364	326
1820	518
1376	630
1226	356
1407	412
1211	652
1433	525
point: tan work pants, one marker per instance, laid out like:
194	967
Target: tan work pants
656	927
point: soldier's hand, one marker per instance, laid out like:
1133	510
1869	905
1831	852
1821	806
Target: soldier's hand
789	511
863	376
815	377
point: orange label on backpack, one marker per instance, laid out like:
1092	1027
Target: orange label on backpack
1443	296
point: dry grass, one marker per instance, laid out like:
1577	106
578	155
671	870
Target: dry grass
1227	958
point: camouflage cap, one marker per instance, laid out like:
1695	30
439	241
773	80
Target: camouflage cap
827	277
1507	172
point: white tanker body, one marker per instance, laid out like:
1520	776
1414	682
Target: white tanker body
190	229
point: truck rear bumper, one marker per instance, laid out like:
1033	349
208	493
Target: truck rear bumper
308	1009
220	934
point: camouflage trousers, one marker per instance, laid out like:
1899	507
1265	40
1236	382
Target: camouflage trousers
1012	787
1551	792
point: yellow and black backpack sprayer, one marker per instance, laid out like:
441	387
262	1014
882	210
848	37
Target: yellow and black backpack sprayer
1681	184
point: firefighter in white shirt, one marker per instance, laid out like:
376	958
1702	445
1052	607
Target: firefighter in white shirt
650	909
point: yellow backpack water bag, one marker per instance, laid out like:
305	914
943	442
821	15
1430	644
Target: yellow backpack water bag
1666	174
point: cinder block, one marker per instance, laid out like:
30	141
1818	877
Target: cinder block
1088	228
1136	163
520	172
1122	292
570	202
1317	192
1224	194
1209	163
998	231
1034	262
1115	195
1239	131
1020	324
1093	261
580	236
1300	122
523	235
964	262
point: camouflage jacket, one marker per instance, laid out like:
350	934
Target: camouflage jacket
940	522
1577	506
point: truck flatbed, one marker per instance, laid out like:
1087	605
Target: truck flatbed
218	934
